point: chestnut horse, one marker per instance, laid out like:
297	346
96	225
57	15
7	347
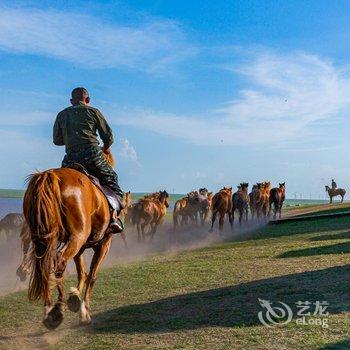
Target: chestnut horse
240	202
150	211
265	195
333	192
66	214
260	199
186	208
277	197
222	204
24	269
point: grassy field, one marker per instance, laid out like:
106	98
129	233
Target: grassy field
207	298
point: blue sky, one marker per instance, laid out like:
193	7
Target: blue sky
198	93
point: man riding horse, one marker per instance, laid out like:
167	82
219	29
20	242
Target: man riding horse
76	128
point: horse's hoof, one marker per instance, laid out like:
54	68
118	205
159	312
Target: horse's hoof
54	318
73	303
86	321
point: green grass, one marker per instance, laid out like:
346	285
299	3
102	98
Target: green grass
207	298
340	208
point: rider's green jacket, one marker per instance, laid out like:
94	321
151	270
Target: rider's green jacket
78	126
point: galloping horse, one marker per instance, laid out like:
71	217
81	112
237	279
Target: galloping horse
265	194
240	202
204	204
150	211
260	199
277	197
222	204
188	208
182	208
253	198
333	192
66	214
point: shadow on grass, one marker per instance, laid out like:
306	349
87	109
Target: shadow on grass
341	235
234	306
300	227
340	248
342	345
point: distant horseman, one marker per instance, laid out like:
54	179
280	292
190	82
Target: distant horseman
334	185
76	128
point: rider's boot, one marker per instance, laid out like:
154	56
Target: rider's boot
116	225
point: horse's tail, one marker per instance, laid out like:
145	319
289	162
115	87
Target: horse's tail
43	211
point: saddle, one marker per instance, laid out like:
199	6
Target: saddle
112	199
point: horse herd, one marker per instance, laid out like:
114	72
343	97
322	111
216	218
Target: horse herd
148	212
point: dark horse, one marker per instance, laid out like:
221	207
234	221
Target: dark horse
277	197
66	214
333	192
240	202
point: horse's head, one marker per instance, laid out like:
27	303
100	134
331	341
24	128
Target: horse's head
327	188
193	197
227	190
244	185
164	198
203	191
259	185
267	185
127	199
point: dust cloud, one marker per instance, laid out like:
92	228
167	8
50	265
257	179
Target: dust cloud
165	241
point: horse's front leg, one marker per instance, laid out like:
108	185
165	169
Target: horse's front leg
100	253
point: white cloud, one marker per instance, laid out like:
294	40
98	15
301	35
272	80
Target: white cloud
26	118
287	95
127	151
88	41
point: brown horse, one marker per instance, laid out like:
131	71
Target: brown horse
180	210
66	214
240	202
334	192
149	212
222	204
277	197
252	199
260	199
127	203
256	200
265	195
